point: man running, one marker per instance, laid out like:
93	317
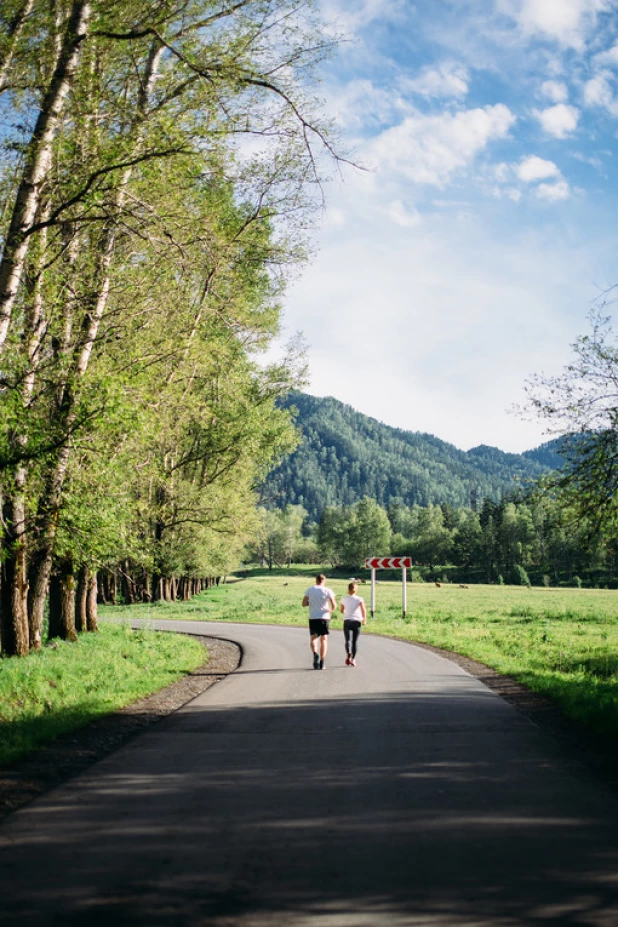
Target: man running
321	602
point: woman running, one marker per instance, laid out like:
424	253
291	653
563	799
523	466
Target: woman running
354	614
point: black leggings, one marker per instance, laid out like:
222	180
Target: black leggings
351	629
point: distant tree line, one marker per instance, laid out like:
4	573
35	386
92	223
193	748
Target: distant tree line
514	541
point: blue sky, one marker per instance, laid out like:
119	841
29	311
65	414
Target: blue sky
467	256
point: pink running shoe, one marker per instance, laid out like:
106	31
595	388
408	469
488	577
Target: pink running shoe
352	661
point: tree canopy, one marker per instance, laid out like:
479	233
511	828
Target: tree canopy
159	165
581	405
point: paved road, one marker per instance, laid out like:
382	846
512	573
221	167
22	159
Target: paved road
401	793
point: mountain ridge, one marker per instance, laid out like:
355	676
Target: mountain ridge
345	455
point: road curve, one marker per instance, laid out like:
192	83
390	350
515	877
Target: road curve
400	793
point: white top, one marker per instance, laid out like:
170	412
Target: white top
320	604
352	607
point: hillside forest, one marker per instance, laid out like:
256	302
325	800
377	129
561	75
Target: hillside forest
355	487
344	456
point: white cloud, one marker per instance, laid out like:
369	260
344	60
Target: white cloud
334	217
402	215
608	58
447	80
597	163
429	149
566	21
559	120
554	192
350	16
360	103
510	193
598	92
555	90
533	168
502	172
429	341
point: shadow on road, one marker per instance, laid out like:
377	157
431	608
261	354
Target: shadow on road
399	810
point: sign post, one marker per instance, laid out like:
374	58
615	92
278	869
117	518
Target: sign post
373	591
388	563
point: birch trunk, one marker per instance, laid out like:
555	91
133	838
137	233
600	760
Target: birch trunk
90	327
127	585
12	38
62	604
92	616
37	161
48	526
81	620
14	585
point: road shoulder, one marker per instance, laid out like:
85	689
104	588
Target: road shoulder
72	753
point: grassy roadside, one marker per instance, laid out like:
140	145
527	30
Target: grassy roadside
559	642
62	688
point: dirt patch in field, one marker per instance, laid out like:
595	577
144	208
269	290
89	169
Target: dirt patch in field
72	753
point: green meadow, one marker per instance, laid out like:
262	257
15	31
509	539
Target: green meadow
559	642
63	687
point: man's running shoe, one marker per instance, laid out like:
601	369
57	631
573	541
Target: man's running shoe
322	665
316	661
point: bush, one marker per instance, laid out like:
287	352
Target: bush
519	577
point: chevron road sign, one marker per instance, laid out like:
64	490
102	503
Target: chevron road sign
388	563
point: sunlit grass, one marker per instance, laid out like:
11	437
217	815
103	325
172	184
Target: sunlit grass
62	688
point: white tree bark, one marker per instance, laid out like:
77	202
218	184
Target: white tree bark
15	29
37	164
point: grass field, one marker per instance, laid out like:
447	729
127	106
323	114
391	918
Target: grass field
561	642
62	688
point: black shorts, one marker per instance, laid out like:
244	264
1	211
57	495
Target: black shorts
318	626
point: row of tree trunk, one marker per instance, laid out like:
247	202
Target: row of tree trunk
130	586
74	594
71	595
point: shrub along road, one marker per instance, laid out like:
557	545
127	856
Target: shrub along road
400	792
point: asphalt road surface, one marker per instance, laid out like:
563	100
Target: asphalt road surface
400	793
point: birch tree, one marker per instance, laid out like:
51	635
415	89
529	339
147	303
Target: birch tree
137	94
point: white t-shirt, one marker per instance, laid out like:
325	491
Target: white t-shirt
352	608
319	601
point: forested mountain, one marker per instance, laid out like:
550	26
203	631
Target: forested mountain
345	455
548	454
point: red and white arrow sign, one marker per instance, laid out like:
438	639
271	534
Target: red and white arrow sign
388	563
